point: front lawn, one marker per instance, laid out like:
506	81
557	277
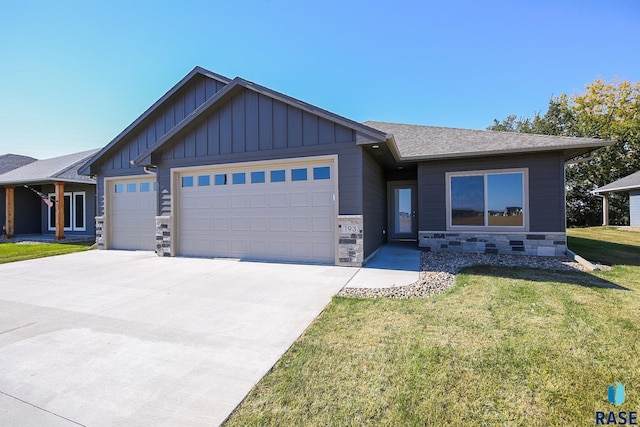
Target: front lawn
606	245
10	252
506	346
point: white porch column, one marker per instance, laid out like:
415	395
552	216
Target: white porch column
605	209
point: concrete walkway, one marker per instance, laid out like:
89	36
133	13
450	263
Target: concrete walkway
395	264
104	338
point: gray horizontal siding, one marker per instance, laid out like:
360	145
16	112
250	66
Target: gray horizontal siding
546	188
174	110
374	204
27	207
634	208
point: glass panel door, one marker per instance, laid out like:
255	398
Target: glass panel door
403	218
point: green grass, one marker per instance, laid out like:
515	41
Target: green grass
506	346
10	252
607	245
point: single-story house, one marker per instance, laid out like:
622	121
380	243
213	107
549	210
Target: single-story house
71	208
222	167
631	184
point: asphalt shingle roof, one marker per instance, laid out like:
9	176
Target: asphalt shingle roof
9	162
64	168
629	182
416	142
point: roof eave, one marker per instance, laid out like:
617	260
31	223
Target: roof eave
235	85
616	189
47	180
575	149
86	168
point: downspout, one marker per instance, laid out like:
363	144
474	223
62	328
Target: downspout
582	160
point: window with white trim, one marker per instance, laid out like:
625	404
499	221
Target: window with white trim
491	200
75	212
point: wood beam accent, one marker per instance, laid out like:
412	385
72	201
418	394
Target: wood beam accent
9	225
59	186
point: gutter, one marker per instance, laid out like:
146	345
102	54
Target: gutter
581	160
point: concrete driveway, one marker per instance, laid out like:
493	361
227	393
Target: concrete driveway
127	338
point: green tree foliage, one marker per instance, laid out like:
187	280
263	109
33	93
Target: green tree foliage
606	111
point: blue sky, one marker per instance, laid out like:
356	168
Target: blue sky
74	74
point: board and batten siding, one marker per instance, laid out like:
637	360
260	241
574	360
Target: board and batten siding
546	188
252	127
146	133
374	204
172	112
634	208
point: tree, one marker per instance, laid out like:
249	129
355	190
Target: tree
606	111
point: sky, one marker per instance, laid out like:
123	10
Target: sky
74	74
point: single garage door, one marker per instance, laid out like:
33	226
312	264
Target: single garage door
268	211
133	213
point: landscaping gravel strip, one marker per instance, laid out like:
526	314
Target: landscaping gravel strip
438	272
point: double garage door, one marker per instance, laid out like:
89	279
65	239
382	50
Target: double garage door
268	211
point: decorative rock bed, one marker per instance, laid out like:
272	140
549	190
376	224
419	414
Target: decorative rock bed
438	272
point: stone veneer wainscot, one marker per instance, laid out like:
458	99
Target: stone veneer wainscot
540	244
100	232
350	241
163	235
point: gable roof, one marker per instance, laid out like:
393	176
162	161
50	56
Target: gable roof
416	142
229	91
629	182
9	162
185	80
63	168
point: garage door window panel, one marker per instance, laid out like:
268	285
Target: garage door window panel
278	176
257	177
187	181
220	179
298	174
239	178
204	181
323	172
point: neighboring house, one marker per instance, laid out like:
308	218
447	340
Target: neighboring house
58	179
9	162
631	184
221	167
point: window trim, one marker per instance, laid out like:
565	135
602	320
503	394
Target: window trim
72	196
484	173
84	211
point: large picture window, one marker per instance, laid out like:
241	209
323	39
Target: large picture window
75	211
487	199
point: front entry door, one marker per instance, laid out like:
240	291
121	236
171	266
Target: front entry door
403	201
